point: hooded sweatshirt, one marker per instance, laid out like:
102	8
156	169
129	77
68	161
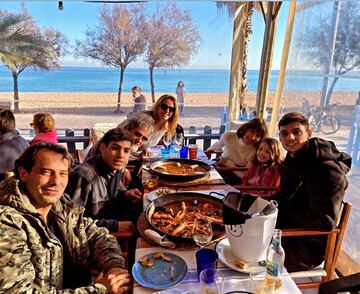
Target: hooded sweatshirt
313	184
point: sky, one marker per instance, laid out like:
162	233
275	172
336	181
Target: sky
214	25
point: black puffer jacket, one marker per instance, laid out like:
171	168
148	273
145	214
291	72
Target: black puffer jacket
313	184
11	146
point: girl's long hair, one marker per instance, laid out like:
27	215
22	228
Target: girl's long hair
276	152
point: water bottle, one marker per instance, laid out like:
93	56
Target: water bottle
275	256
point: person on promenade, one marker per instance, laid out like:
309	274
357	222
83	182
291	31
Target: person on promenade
139	99
264	170
239	148
47	245
356	111
44	126
11	144
312	187
180	95
96	184
165	114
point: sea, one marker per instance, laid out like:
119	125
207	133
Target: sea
102	80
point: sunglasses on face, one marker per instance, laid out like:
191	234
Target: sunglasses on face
163	106
31	124
139	135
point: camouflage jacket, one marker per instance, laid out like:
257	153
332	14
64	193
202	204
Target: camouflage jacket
31	257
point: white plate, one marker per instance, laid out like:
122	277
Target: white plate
228	258
151	196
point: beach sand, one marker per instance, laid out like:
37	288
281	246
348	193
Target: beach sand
82	110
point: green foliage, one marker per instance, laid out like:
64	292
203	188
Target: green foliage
23	45
316	42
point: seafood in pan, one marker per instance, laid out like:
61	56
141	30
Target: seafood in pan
177	218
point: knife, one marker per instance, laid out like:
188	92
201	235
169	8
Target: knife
161	240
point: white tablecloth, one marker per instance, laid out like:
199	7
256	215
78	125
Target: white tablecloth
233	279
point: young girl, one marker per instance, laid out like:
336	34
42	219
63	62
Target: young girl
264	169
238	148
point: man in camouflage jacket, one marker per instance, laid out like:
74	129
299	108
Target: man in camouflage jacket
46	244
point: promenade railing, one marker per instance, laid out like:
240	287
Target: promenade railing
80	139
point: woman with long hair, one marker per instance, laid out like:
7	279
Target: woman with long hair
239	148
165	114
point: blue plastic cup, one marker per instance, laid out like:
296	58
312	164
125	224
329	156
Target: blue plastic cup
206	259
184	152
165	153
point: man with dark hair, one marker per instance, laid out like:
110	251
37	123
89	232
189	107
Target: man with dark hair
47	245
11	144
96	183
139	99
312	187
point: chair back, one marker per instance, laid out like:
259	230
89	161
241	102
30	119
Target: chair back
333	246
349	283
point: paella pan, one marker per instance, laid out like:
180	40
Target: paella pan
174	214
180	169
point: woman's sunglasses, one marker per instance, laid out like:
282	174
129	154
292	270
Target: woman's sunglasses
163	106
139	135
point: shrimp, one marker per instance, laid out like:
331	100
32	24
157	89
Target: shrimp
181	213
179	229
162	215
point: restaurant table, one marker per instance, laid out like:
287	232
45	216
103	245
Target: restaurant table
233	280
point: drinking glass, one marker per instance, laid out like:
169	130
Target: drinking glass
202	232
260	284
211	281
178	140
167	140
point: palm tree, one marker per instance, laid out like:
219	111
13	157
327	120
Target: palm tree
14	40
23	45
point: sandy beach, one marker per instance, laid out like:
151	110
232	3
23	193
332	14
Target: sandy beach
82	110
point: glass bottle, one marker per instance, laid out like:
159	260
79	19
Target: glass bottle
275	257
269	208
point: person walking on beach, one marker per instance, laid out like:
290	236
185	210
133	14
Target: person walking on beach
180	95
139	99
